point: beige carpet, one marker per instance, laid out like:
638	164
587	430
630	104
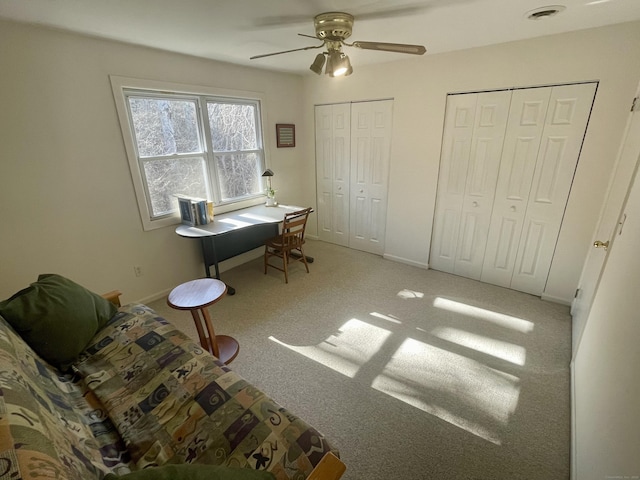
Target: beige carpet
410	373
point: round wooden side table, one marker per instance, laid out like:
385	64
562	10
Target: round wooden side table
196	296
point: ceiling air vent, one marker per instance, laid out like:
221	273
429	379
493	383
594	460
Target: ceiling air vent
544	12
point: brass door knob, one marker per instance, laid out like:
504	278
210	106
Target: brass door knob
599	244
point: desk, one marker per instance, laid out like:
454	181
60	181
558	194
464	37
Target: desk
236	232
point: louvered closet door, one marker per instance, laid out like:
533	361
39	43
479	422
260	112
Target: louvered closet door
333	144
472	145
370	151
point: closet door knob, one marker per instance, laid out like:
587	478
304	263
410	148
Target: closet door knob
474	204
513	208
361	191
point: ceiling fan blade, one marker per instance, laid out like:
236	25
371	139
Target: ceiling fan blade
390	47
283	20
400	11
285	51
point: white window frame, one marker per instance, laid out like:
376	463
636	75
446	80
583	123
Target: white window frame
120	85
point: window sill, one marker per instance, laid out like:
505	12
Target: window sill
230	207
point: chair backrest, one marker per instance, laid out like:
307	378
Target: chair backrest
294	225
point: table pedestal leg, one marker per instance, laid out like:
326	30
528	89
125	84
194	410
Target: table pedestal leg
203	338
212	334
223	347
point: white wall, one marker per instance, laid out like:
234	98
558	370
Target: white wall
67	202
419	87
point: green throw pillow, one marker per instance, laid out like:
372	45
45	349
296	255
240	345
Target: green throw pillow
57	317
193	472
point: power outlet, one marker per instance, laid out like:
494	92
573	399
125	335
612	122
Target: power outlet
137	269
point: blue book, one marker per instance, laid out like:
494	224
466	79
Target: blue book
201	210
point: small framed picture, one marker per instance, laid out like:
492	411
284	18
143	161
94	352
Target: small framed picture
186	211
286	135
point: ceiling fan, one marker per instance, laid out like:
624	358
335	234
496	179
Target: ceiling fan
333	28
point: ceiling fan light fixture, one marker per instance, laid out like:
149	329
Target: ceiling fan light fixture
318	63
333	28
349	70
338	64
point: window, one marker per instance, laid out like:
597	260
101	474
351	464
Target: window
195	144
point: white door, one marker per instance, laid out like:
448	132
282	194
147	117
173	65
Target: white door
565	126
607	386
370	151
542	145
456	149
609	221
522	143
333	145
469	172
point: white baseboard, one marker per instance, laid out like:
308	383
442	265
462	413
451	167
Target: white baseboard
406	261
562	301
155	296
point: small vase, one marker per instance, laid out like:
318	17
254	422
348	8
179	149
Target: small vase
271	202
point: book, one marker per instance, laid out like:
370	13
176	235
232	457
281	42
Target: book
186	211
201	212
194	211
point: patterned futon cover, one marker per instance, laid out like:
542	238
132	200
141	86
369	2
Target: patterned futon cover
50	426
172	402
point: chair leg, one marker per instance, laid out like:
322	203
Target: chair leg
285	261
304	259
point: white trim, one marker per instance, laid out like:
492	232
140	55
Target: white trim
550	298
574	460
152	298
406	261
119	84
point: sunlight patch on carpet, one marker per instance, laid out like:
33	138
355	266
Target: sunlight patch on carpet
456	389
346	351
510	352
389	318
507	321
406	293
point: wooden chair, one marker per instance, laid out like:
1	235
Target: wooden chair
290	240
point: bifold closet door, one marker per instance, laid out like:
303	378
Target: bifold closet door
353	147
333	150
513	237
519	156
370	151
472	145
565	124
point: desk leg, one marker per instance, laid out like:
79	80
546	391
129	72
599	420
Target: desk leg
297	255
210	257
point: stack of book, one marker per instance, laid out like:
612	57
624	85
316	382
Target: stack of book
195	211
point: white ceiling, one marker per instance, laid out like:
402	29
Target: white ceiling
234	30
